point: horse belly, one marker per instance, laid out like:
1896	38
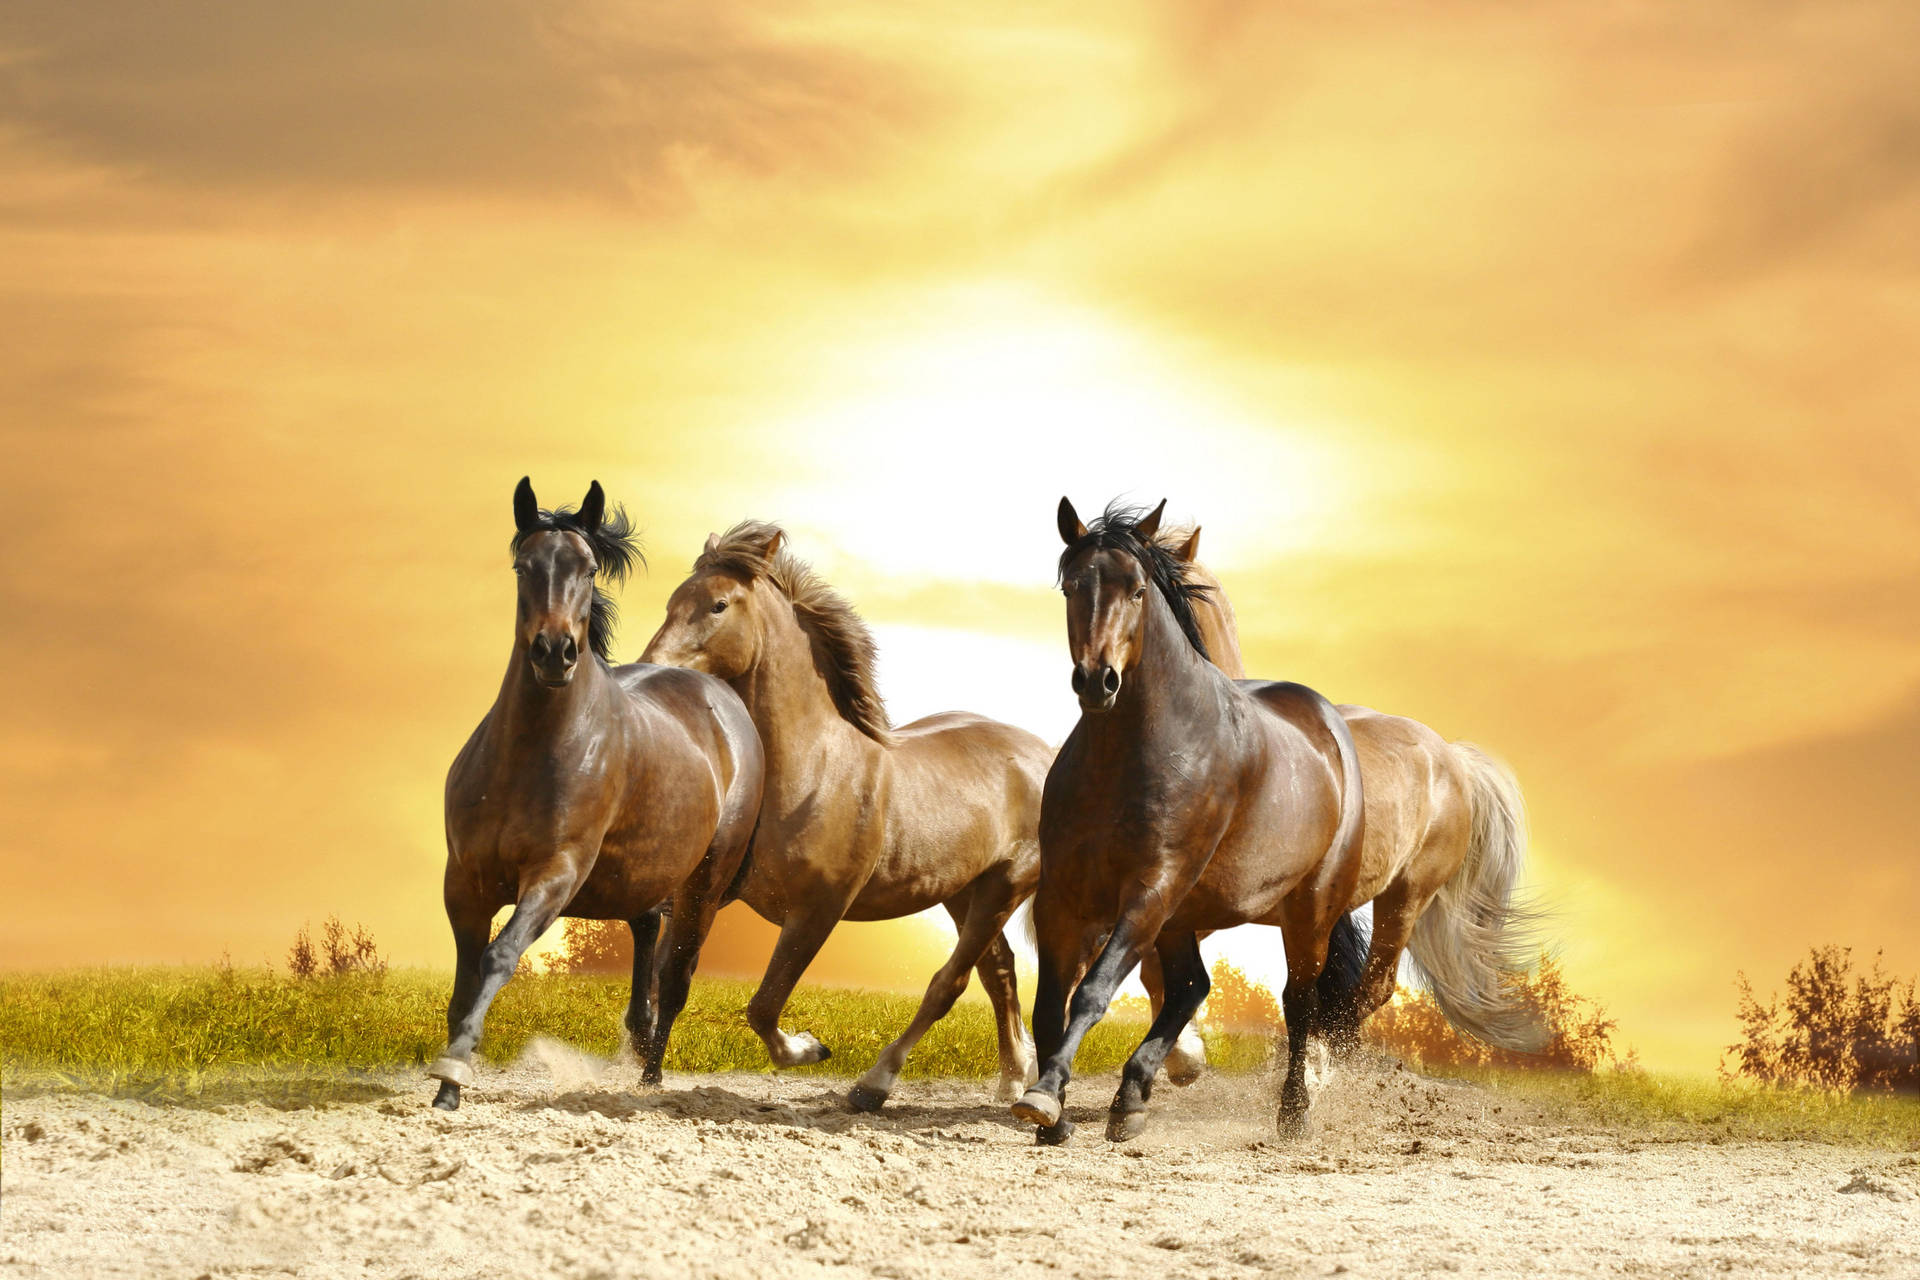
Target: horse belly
1266	853
645	859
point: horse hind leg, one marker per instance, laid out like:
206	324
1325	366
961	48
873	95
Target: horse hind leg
1019	1063
981	911
1186	988
688	922
641	1004
1305	930
1187	1060
1394	914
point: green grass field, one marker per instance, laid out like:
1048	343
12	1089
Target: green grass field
208	1035
177	1032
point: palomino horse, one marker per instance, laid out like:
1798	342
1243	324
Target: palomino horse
1445	839
861	821
1183	801
590	791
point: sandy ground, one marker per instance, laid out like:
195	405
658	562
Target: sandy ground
565	1167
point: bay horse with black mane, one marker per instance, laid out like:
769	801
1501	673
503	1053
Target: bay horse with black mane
589	790
1182	802
862	821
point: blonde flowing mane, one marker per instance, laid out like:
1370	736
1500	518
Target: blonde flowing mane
822	613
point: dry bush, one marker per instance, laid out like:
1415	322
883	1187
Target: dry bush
300	958
341	952
595	946
1238	1003
1580	1034
1834	1030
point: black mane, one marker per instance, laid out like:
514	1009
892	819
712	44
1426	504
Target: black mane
616	549
1117	529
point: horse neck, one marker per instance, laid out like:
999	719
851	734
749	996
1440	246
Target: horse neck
528	711
786	695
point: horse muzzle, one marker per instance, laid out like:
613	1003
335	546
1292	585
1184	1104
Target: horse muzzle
1096	685
554	659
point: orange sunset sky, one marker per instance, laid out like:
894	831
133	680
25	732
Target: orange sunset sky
1546	372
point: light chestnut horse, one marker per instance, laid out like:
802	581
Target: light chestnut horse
1445	839
861	821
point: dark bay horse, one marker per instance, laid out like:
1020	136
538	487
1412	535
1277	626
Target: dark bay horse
1183	801
862	821
590	790
1445	839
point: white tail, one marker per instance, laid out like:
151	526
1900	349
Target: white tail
1473	934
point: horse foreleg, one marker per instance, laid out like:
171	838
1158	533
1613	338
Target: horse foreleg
1064	947
801	938
641	1003
539	906
1186	987
1135	931
986	910
469	941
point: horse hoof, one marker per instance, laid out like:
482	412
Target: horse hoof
452	1070
1294	1128
1124	1126
1184	1073
651	1075
448	1099
803	1050
864	1098
1053	1135
1036	1107
1187	1062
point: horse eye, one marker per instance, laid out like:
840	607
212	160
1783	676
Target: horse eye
719	606
1139	593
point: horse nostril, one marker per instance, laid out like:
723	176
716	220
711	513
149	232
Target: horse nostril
1079	680
570	651
1111	681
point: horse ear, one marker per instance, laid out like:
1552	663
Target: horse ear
713	544
1190	551
1147	529
594	506
776	540
1071	529
526	512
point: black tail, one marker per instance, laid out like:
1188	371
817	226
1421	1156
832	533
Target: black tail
1340	981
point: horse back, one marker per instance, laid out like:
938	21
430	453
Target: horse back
1417	797
968	755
